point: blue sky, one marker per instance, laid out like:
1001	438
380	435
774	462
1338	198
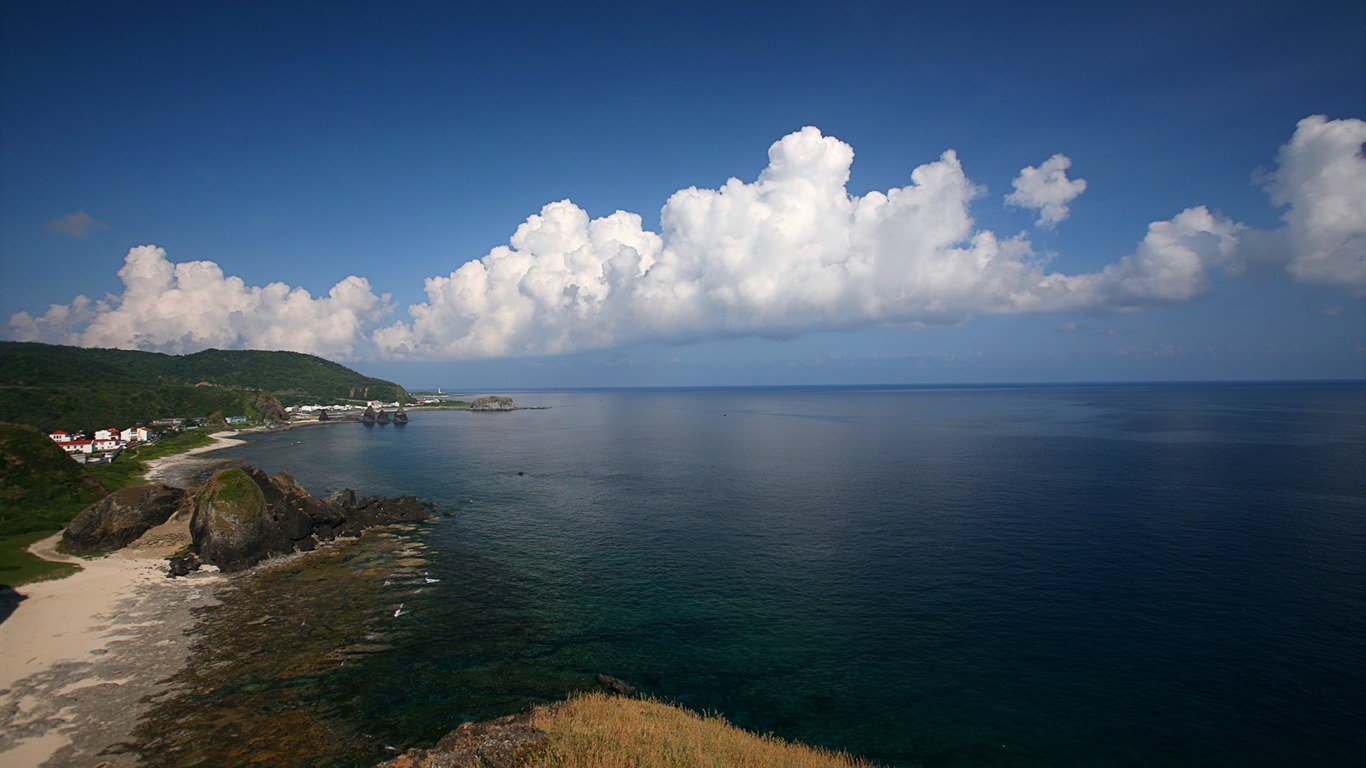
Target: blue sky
247	175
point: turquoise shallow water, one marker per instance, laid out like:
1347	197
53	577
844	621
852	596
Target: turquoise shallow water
1098	575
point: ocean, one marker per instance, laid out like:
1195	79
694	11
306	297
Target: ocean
1091	575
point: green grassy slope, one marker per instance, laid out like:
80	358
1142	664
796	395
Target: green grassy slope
41	489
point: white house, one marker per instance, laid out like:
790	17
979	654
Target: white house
106	434
136	435
107	444
78	446
61	437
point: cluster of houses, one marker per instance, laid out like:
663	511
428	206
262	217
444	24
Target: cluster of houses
105	444
337	410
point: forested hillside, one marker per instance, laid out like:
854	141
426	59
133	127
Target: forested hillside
76	389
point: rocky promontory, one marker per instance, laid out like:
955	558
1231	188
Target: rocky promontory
237	519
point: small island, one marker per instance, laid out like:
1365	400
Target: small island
493	403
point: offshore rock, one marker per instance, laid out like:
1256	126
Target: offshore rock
121	517
507	742
615	685
493	403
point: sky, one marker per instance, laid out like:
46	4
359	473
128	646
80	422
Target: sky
517	195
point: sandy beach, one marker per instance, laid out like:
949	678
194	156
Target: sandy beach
80	657
192	467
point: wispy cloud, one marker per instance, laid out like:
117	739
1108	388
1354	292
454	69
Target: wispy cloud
788	253
78	225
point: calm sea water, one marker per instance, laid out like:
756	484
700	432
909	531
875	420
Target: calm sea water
1090	575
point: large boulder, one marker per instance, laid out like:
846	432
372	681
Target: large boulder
121	517
231	526
243	516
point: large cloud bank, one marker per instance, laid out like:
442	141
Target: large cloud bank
790	252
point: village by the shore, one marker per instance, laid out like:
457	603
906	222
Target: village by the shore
104	445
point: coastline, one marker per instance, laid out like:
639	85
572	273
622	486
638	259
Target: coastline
82	657
183	470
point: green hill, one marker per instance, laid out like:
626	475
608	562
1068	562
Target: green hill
76	389
41	489
40	486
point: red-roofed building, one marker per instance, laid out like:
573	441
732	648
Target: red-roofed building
78	446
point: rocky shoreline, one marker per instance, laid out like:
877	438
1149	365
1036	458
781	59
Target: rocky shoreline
86	657
239	518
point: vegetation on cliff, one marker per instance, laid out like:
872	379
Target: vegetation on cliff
596	730
72	388
601	731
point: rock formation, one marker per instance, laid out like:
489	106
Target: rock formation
507	742
232	527
615	685
493	403
242	516
121	517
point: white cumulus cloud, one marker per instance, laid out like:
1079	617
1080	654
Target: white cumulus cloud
789	252
187	307
1321	178
1046	189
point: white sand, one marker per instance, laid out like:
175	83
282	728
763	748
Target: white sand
71	621
67	619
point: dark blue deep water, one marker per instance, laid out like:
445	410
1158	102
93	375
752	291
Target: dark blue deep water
1068	575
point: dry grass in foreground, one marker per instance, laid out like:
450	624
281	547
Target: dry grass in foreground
600	731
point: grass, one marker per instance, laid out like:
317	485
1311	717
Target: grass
600	731
18	567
